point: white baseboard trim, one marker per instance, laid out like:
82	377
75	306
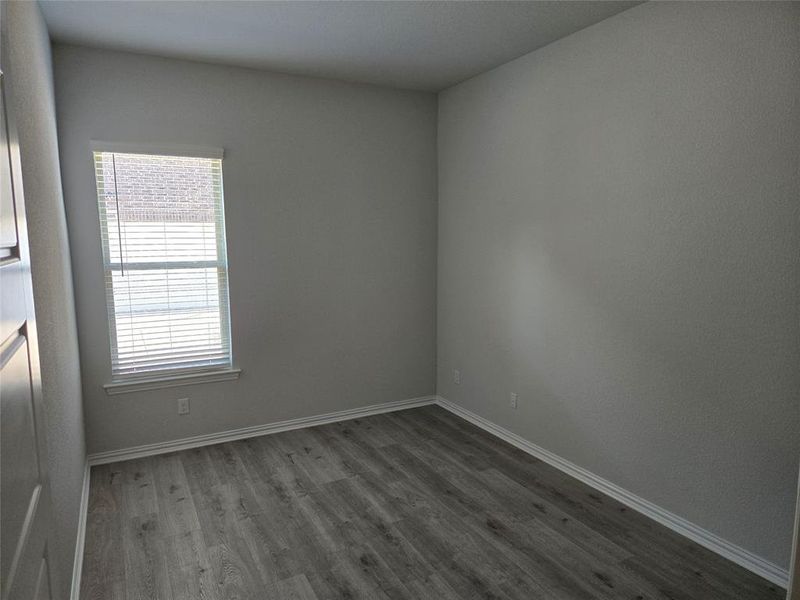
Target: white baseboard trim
713	542
77	564
110	456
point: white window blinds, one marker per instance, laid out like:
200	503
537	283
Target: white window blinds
166	274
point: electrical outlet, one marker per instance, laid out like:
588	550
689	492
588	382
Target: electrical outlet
512	400
456	376
183	406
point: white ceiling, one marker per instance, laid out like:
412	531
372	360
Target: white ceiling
423	45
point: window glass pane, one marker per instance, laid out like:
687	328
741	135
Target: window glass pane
162	228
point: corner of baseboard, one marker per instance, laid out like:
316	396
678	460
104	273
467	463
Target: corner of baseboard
122	454
736	554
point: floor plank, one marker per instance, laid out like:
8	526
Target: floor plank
415	504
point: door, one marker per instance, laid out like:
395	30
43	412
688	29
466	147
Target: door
24	491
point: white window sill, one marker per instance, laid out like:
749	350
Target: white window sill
168	381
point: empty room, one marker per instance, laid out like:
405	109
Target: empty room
403	299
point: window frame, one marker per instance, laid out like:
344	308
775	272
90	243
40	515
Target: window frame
169	377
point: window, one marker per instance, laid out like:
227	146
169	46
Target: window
166	273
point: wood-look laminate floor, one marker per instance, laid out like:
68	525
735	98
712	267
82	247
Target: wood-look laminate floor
414	504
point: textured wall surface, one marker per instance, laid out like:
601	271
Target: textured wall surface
31	99
619	243
330	208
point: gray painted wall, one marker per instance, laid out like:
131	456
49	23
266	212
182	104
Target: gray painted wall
619	243
330	206
31	100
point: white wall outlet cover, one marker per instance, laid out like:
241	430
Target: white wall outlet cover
512	400
183	406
